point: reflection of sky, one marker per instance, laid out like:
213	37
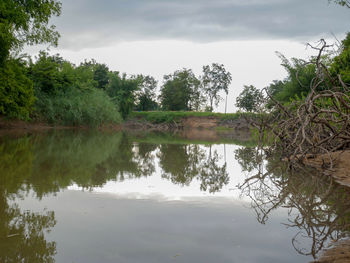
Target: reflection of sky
151	220
156	187
106	228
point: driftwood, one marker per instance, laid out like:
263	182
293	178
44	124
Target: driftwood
320	124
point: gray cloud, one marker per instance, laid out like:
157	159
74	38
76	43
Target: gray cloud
94	23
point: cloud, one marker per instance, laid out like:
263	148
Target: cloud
96	23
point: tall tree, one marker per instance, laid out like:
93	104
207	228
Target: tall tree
146	94
180	91
101	75
122	90
26	22
215	79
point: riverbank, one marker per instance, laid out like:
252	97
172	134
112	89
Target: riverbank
145	121
168	120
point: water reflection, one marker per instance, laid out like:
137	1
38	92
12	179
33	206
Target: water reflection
22	234
181	164
318	207
43	165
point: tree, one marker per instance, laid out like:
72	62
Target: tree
16	90
26	22
249	99
122	90
180	91
51	74
101	75
297	83
214	80
146	95
341	63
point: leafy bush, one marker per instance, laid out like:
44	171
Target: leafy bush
76	107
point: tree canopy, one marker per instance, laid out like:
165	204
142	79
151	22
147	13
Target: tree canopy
26	22
249	99
215	79
181	91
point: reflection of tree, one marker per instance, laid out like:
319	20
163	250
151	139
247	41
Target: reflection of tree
22	234
130	160
319	208
182	164
212	176
50	162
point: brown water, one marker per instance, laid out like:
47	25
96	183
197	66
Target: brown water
98	197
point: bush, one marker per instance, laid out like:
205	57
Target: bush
76	107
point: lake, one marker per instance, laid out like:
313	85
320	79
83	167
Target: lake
82	196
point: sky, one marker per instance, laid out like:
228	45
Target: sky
157	37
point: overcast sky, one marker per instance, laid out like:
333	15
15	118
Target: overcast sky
157	37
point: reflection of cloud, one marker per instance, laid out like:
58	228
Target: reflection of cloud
94	23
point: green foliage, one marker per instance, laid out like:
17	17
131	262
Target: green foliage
249	99
16	90
101	72
171	116
345	3
26	22
51	74
146	96
84	75
77	107
296	84
180	92
341	63
214	80
122	91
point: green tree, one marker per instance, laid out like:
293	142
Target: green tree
341	63
215	79
16	90
51	74
146	94
297	83
249	99
122	90
180	91
101	72
26	22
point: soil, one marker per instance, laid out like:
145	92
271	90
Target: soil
188	123
336	164
338	253
19	128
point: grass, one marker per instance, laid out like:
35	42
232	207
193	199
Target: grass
171	116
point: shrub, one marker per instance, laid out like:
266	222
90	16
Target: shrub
76	107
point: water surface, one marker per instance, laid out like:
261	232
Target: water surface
116	197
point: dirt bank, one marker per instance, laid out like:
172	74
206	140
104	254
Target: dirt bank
190	122
339	162
18	127
338	253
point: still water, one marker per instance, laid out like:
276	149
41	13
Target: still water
114	197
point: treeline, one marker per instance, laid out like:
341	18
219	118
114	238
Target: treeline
54	90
